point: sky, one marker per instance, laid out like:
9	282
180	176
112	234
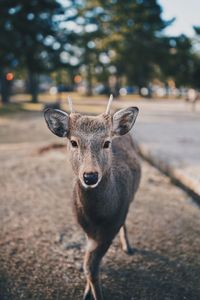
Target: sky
186	12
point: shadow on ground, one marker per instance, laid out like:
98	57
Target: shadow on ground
155	277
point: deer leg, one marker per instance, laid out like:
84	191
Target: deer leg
124	240
88	292
92	259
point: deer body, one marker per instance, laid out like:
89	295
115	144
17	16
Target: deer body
107	176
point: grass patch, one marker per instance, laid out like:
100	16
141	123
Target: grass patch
10	108
84	104
13	107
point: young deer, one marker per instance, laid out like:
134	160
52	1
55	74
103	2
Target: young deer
107	176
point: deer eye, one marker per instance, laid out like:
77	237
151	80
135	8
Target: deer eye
106	145
74	144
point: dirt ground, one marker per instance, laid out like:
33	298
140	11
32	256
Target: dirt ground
41	246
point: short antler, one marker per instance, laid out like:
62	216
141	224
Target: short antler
109	104
70	104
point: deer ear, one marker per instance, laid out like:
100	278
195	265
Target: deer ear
123	120
57	121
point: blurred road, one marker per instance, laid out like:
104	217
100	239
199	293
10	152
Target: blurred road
41	247
168	134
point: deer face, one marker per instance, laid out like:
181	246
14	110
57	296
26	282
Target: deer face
90	145
90	140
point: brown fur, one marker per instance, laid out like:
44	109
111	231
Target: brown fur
101	211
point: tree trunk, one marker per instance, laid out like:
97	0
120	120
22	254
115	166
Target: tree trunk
89	81
140	90
150	91
117	87
107	88
33	86
166	90
5	89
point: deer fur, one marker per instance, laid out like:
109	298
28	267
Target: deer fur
101	208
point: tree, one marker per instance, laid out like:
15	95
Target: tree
8	49
29	37
196	59
180	61
35	27
89	39
124	36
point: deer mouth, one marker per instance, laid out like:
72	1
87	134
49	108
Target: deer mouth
88	187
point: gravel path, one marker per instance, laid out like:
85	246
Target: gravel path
41	246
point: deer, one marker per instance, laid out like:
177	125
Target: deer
107	175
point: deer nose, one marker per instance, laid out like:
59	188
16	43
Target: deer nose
90	178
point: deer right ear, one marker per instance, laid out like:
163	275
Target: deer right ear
57	121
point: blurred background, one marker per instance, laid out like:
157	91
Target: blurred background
146	48
147	54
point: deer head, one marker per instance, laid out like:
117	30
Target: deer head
90	139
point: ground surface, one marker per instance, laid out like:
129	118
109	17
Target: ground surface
169	133
41	246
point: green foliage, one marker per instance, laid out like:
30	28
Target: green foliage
30	37
129	40
97	38
126	38
137	27
179	64
28	25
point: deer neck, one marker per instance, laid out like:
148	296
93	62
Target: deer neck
98	203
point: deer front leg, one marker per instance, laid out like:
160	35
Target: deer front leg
124	240
92	259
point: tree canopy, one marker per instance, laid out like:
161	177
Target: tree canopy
95	37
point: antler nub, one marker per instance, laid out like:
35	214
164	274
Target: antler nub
70	104
109	104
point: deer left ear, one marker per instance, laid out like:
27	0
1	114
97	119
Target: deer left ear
123	120
57	121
